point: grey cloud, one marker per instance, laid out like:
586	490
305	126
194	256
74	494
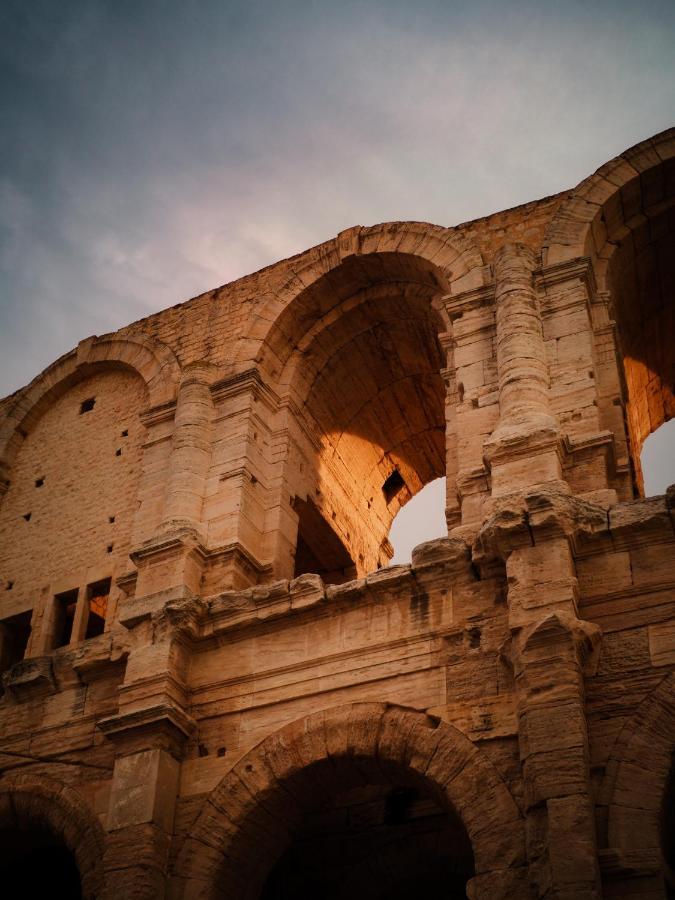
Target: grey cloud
151	151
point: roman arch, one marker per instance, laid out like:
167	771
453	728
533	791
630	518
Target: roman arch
355	347
249	819
40	813
621	218
248	700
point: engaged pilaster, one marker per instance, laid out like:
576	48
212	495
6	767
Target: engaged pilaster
550	648
191	450
149	733
523	450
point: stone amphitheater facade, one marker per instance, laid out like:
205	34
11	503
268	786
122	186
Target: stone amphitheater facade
216	686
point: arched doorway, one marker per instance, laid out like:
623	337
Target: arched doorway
51	842
365	800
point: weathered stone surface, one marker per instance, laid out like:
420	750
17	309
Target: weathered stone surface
203	643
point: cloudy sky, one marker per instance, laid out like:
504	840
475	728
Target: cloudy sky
152	149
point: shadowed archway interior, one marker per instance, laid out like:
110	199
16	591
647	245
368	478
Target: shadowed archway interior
34	863
376	842
353	828
361	364
356	779
642	282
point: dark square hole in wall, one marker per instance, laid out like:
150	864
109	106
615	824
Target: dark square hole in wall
111	520
118	452
393	485
97	598
64	616
27	516
87	405
15	633
125	433
39	482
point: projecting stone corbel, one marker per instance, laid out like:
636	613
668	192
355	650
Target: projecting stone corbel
530	518
164	726
179	618
30	679
544	638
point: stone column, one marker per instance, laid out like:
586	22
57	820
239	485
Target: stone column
171	563
523	449
471	408
521	355
533	527
549	649
191	450
149	733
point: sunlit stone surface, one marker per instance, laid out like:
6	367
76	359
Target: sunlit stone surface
215	685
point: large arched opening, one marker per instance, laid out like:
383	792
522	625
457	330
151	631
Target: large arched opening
623	218
368	800
422	519
71	488
641	280
358	362
51	843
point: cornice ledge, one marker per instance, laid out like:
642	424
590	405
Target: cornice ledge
248	381
183	537
559	272
474	298
164	717
154	415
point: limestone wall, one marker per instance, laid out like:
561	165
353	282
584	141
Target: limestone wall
243	675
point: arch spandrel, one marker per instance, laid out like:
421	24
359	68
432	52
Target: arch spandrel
254	806
153	361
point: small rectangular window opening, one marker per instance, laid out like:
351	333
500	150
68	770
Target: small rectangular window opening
39	482
64	616
97	598
393	485
15	631
87	405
